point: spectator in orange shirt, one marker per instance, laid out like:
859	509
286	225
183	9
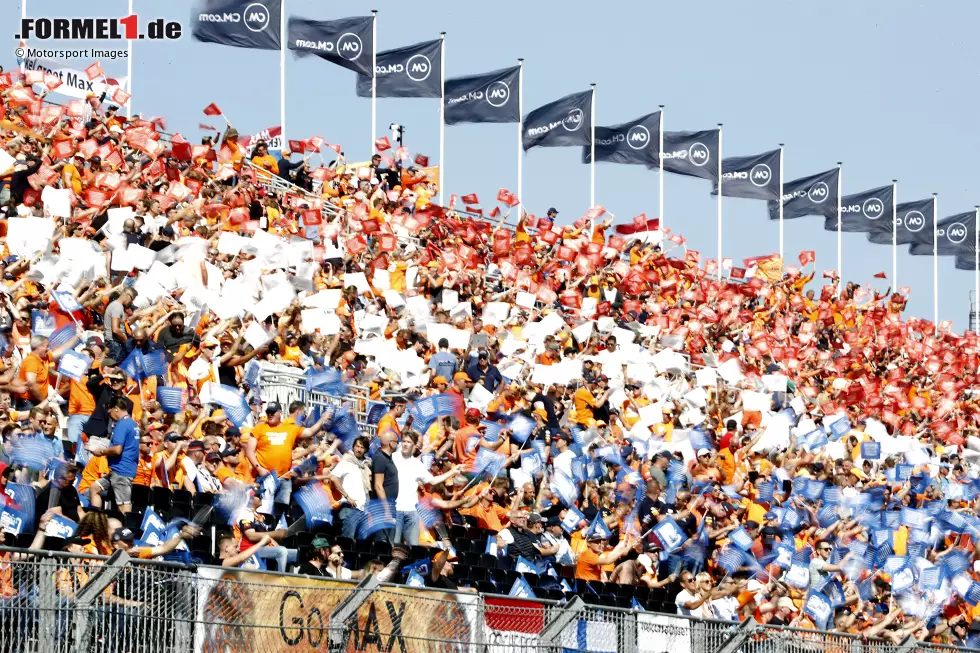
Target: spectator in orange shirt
590	562
34	374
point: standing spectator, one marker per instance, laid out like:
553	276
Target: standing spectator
350	477
34	375
389	421
173	336
443	363
411	472
123	454
385	475
485	373
114	321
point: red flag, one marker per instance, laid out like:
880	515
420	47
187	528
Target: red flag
808	256
120	96
422	160
297	146
93	71
504	196
738	273
212	110
182	151
881	275
905	290
52	82
201	125
335	148
595	212
829	274
495	212
470	199
382	144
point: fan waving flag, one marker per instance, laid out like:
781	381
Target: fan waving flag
813	195
954	235
347	42
751	177
861	212
411	71
485	97
258	26
563	123
635	142
692	154
913	224
133	366
154	362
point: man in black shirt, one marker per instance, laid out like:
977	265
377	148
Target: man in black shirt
105	385
385	478
317	564
173	336
549	407
65	496
523	537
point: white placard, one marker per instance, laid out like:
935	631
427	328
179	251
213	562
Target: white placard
359	281
230	243
706	377
449	299
525	299
57	201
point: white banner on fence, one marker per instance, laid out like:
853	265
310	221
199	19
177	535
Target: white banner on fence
662	634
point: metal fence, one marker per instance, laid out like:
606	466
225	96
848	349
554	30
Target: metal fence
62	602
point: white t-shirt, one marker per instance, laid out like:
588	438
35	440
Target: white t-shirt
683	598
344	573
352	482
190	469
411	471
563	462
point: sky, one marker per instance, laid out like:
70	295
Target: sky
890	89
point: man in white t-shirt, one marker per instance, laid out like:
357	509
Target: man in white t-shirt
348	480
411	472
689	600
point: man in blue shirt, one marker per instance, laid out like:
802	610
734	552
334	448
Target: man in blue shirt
123	454
485	373
443	363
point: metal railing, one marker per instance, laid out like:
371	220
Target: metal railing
79	603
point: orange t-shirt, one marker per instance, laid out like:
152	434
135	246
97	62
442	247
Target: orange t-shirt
274	445
144	470
388	423
80	400
587	567
487	518
460	450
33	363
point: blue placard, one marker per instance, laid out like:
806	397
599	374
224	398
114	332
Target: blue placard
870	450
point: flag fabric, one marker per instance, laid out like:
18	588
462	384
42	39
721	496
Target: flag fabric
315	502
813	195
521	589
753	177
231	399
488	461
692	154
17	511
62	527
670	534
347	42
954	235
62	336
913	224
379	515
413	71
565	488
635	142
598	527
74	365
484	97
154	362
133	366
66	300
414	579
573	517
329	381
861	212
257	26
212	110
172	399
566	122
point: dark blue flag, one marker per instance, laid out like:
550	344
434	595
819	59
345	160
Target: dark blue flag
692	154
751	177
566	122
154	363
239	23
813	195
635	142
172	399
17	509
486	97
967	261
133	366
315	502
913	224
861	212
347	42
954	235
411	71
379	516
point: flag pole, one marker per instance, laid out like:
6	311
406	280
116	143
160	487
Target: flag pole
374	79
935	261
520	138
282	73
661	161
894	233
442	115
976	260
781	202
840	211
592	147
129	66
720	259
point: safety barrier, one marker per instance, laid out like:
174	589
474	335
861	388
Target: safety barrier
70	602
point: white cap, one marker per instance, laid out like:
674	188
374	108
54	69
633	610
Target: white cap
646	561
704	452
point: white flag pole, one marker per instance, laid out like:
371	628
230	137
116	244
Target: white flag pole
935	260
661	156
894	233
840	214
283	37
129	67
520	138
374	79
976	263
720	259
442	116
592	147
781	202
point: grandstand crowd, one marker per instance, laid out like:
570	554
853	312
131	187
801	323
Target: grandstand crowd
504	404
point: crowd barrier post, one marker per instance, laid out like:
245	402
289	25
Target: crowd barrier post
340	629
